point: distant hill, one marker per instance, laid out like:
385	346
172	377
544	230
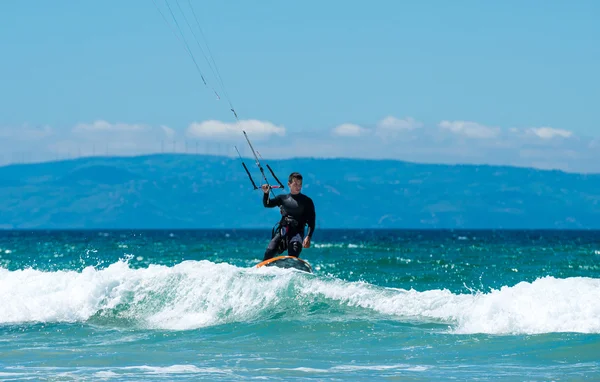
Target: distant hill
193	191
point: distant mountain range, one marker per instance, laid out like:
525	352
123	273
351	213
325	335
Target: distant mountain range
195	191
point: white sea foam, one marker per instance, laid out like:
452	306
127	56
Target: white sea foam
195	294
545	305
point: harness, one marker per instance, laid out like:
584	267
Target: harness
284	226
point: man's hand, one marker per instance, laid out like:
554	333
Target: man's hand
266	188
306	242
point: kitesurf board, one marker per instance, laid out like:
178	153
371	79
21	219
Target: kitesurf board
286	262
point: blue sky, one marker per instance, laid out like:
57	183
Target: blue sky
510	82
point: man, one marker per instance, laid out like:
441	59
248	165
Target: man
297	211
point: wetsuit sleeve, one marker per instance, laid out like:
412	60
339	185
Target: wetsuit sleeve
311	218
270	203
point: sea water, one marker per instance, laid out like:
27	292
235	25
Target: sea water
380	305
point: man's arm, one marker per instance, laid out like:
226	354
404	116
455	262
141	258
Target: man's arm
269	203
311	218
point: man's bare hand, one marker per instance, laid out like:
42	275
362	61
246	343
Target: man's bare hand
306	242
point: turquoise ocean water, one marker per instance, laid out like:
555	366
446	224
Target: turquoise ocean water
381	305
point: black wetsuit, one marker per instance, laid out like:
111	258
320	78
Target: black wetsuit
297	211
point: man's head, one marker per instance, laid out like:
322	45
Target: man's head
295	183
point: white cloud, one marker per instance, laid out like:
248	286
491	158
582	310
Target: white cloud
393	123
392	128
549	132
470	129
349	130
103	126
225	131
388	128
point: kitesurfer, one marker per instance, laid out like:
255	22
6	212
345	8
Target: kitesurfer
297	210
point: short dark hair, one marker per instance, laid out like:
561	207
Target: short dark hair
294	175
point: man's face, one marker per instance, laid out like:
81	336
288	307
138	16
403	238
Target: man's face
295	186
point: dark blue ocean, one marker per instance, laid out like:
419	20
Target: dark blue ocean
380	305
